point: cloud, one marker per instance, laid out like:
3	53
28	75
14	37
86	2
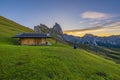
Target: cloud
105	30
94	23
105	26
81	22
86	29
94	15
113	26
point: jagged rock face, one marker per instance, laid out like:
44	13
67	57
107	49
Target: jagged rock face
41	29
57	28
57	32
37	29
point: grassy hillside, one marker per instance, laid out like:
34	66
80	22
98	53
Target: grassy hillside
106	52
55	62
9	28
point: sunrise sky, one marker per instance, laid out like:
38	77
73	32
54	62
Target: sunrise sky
76	17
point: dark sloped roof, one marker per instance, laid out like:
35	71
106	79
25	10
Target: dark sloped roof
32	35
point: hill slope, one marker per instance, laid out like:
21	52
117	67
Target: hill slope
55	62
10	28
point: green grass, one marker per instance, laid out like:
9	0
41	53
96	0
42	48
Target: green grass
105	52
55	62
9	29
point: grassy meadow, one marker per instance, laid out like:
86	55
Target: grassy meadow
55	62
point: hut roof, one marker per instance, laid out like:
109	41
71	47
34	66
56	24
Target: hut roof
32	35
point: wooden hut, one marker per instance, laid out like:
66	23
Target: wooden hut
32	38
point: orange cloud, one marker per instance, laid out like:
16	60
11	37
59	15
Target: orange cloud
94	15
111	29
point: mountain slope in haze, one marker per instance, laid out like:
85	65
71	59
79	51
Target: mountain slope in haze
55	62
9	28
110	41
107	47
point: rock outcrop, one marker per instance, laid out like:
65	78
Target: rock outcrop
57	28
41	29
57	32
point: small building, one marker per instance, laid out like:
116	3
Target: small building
32	38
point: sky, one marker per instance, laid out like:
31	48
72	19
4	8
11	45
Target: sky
76	17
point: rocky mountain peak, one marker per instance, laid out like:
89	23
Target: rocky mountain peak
41	29
57	28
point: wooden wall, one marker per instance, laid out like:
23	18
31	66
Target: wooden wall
32	41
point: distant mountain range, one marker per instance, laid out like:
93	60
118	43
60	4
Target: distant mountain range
111	41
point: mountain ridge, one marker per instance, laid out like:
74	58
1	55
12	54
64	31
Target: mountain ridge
111	41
